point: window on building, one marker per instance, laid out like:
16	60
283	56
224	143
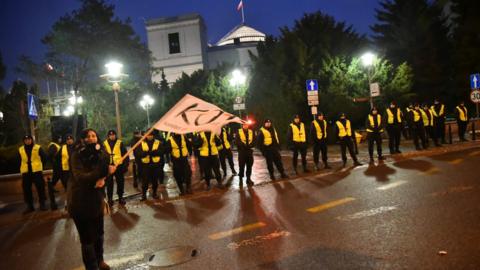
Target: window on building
174	43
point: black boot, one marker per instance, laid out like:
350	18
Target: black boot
250	182
29	209
272	177
89	257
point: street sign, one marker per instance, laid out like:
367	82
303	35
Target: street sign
32	107
312	100
239	107
312	93
312	85
374	90
239	100
314	110
475	81
475	96
312	97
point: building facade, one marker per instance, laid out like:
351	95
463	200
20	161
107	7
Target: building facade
179	45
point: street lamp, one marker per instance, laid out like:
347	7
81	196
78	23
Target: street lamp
115	76
146	102
72	102
237	79
368	60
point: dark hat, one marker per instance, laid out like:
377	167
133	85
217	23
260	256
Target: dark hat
342	114
320	113
268	121
111	132
136	132
393	102
69	136
28	136
296	116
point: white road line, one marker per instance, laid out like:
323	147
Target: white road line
368	213
392	185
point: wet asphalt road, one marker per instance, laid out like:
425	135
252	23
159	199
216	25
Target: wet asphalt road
396	215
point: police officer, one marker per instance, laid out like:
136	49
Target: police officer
245	141
64	154
116	150
344	133
137	165
318	134
32	158
151	154
438	111
177	145
53	154
394	121
428	122
374	127
207	142
417	128
269	145
225	152
297	138
461	114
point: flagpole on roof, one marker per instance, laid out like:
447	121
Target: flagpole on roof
243	14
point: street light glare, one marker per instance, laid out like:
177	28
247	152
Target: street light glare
238	78
146	101
368	58
114	69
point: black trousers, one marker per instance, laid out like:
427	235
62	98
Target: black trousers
57	175
418	132
462	128
320	147
302	149
35	178
439	124
272	155
226	154
374	138
430	133
152	174
137	173
245	159
347	143
211	163
120	184
182	172
91	234
394	136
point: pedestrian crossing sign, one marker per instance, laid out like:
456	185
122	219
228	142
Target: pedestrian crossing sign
32	107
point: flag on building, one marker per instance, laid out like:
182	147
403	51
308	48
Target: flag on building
240	5
192	114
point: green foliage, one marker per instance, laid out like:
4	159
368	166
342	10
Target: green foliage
15	113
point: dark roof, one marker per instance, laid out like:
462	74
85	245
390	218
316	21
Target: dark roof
185	17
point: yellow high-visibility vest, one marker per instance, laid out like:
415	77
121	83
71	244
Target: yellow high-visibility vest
267	136
65	158
416	116
342	130
425	119
320	133
372	123
440	113
57	147
462	114
176	149
35	159
204	148
225	140
243	138
390	115
298	133
117	153
145	148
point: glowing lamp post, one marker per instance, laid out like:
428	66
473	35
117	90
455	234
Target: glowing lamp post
146	103
368	60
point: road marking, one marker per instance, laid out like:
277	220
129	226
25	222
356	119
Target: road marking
475	153
368	213
451	190
431	171
258	239
456	161
329	205
238	230
392	185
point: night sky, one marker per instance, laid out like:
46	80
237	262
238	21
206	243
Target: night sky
25	22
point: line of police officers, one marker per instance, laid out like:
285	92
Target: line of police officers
213	151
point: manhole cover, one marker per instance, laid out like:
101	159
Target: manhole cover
172	256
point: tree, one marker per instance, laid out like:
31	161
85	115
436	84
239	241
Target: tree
84	40
414	31
15	113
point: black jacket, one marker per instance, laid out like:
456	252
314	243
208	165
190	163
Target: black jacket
84	200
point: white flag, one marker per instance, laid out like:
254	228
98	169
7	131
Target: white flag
192	114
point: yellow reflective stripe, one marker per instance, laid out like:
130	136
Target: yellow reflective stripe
65	158
342	131
319	132
176	148
298	134
204	148
462	115
145	148
243	138
35	159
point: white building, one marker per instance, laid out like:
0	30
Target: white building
179	45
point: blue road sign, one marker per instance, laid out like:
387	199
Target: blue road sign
475	81
32	107
312	85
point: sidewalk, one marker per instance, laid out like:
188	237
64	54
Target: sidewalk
12	205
